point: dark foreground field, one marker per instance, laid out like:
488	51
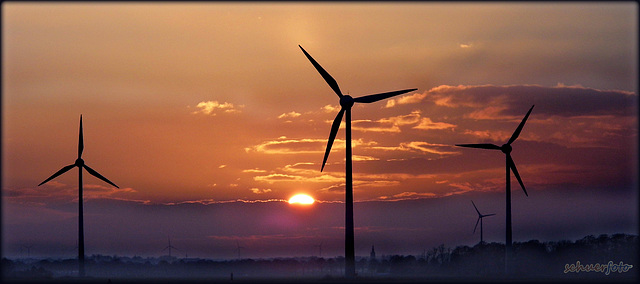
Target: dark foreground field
591	259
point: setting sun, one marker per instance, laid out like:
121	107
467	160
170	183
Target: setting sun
301	199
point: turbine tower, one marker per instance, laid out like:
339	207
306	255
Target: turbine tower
169	247
480	216
80	164
346	102
510	166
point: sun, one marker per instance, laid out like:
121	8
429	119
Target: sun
303	199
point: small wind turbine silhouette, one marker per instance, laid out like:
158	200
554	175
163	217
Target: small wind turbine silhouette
319	249
480	216
80	164
510	166
28	247
346	102
169	246
238	248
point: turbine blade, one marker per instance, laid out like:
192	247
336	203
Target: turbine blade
474	206
517	132
61	171
488	215
512	165
332	82
474	228
80	140
381	96
332	136
481	146
96	174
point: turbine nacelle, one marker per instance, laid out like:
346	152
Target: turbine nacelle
346	101
506	148
79	163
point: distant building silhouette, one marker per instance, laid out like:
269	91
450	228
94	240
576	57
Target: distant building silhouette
372	255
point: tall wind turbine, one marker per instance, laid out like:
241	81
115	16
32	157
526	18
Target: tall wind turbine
510	166
169	246
480	216
80	164
346	102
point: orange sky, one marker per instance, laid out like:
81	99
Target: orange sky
213	102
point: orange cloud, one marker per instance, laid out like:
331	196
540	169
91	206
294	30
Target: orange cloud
427	124
211	108
291	114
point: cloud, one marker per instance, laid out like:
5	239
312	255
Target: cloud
256	170
393	124
291	146
421	147
285	145
374	126
291	114
408	99
512	100
407	195
427	124
56	191
214	107
357	158
330	108
271	178
260	191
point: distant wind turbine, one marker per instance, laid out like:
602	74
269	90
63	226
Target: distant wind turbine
319	249
238	248
28	247
480	216
510	166
169	246
346	102
80	164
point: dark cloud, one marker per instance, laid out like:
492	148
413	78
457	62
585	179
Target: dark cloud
514	100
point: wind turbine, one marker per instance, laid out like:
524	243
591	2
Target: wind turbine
319	249
169	247
28	247
480	216
346	102
510	166
238	248
80	164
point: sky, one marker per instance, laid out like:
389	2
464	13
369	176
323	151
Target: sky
209	117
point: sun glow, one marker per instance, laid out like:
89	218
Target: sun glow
301	199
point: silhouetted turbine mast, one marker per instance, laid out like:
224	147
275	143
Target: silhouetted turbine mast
238	248
510	166
319	249
346	102
480	216
80	164
169	247
28	247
